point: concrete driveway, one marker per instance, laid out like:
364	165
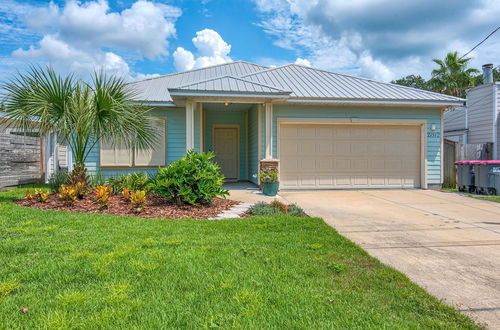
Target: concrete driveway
448	244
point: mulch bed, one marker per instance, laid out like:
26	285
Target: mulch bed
155	207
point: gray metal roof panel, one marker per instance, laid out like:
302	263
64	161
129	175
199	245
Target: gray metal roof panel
156	89
306	82
231	84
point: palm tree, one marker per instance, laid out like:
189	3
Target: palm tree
80	113
452	76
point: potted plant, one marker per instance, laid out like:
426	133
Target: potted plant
269	181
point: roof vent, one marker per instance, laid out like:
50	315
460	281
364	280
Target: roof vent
487	73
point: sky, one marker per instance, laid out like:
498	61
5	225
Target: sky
378	39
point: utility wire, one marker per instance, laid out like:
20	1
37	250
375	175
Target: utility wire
489	35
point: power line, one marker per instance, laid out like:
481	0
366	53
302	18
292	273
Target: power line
489	35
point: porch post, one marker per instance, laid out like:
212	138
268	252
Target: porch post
202	126
269	130
190	125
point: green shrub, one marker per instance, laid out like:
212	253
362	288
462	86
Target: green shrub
296	211
194	179
97	179
56	180
132	181
275	207
261	208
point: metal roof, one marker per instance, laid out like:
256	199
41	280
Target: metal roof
231	84
156	89
310	83
305	84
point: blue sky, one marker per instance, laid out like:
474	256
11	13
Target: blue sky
379	39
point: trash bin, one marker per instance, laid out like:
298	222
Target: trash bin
465	176
480	176
493	168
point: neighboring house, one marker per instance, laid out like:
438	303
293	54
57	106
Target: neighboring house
477	122
327	130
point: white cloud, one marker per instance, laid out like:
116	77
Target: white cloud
211	49
82	37
362	37
303	61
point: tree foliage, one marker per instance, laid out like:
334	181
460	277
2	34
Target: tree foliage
79	113
452	76
415	81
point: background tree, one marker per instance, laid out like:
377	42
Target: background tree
452	77
415	81
78	112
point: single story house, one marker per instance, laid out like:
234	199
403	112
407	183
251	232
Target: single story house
322	129
477	122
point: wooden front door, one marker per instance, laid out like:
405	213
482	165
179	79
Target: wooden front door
225	144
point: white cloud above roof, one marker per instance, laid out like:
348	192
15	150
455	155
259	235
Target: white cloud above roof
381	39
81	37
211	49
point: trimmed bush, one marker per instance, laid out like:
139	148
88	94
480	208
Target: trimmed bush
132	182
194	179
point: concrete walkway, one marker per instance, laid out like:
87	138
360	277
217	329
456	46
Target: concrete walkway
447	243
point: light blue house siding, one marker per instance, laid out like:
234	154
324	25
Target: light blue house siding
175	142
253	144
432	116
225	117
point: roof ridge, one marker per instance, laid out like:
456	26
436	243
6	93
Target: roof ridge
198	69
233	77
351	76
269	69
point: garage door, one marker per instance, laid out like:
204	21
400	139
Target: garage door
349	156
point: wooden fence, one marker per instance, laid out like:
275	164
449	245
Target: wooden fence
20	159
458	151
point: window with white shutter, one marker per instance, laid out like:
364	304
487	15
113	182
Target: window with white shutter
153	156
121	156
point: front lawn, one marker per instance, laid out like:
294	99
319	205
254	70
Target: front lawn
71	270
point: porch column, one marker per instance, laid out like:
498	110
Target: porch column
190	125
269	130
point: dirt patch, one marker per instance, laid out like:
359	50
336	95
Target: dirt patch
156	207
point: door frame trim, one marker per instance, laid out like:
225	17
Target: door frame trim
237	127
422	123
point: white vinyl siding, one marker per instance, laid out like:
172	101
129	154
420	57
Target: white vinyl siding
455	119
480	112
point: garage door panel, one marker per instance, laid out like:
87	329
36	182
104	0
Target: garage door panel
349	156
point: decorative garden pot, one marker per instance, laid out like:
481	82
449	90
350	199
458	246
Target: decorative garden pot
270	188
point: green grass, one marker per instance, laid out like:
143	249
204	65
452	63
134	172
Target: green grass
495	199
97	271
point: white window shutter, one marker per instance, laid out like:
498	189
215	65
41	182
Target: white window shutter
118	155
154	156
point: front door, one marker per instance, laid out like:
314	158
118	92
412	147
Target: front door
225	144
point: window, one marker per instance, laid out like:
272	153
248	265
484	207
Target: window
121	156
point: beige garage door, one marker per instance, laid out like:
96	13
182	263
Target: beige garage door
349	156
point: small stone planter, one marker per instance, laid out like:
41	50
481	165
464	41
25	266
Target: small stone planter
270	188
